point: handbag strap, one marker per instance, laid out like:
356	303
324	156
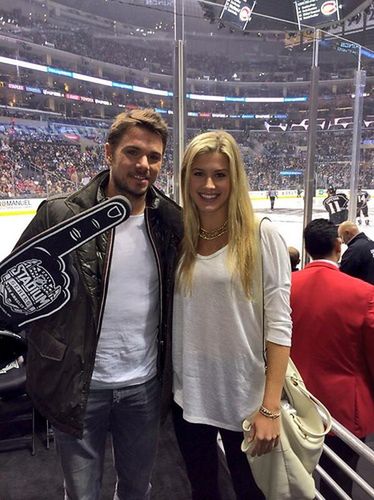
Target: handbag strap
295	378
298	381
262	293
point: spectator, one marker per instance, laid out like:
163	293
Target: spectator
219	375
294	258
358	259
334	349
97	364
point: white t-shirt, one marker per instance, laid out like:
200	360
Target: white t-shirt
127	349
218	363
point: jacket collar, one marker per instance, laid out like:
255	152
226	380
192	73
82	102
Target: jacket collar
358	236
323	263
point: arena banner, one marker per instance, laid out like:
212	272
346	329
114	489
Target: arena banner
281	193
316	12
237	12
19	206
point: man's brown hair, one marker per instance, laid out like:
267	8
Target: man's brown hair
146	118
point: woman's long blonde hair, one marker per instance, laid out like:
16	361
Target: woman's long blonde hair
242	227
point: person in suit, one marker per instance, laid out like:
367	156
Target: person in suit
332	349
358	259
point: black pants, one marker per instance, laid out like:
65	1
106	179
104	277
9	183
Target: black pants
349	456
364	210
198	445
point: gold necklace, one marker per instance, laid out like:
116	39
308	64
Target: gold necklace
215	233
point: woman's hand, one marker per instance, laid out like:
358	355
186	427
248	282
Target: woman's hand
264	434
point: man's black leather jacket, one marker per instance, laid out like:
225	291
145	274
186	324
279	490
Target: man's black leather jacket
62	347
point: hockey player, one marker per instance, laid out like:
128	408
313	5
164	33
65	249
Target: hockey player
336	205
362	205
272	194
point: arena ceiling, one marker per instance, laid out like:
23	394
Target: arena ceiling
281	10
141	12
202	17
284	9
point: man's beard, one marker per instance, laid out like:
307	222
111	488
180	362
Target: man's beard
125	190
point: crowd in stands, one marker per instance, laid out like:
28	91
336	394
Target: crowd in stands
63	152
153	59
38	161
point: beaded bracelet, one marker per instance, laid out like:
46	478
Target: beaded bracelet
269	414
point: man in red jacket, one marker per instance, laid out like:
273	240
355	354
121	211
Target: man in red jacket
333	342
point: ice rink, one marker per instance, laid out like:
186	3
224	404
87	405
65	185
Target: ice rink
287	216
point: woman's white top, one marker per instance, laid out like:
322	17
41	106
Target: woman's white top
219	373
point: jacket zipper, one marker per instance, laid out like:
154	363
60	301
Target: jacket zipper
105	281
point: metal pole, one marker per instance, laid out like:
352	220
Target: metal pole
349	471
360	81
309	187
46	184
350	439
179	116
13	181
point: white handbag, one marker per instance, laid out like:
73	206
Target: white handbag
286	472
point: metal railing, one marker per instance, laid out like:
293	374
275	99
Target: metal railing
44	174
356	445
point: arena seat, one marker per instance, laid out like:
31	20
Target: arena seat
17	415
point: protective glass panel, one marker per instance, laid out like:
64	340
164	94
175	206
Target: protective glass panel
68	68
337	61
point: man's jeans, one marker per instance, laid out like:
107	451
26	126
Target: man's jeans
132	416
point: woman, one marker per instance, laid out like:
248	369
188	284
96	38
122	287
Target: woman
219	374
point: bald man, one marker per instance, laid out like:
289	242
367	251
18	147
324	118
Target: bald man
294	258
358	259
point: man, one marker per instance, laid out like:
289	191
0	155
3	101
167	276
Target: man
294	258
97	363
358	259
336	205
272	194
362	205
333	342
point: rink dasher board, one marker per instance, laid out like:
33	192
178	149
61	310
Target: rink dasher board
19	206
28	206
